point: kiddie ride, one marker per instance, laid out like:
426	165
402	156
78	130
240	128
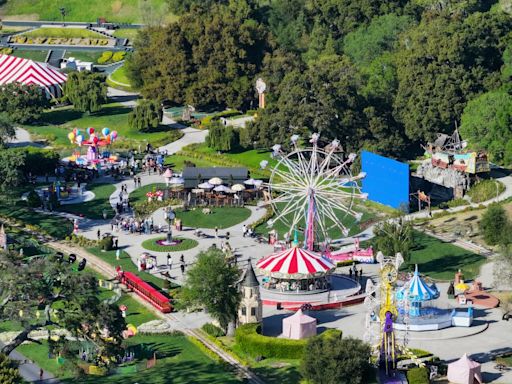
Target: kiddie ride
352	252
93	158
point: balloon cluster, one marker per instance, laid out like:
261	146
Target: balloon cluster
76	137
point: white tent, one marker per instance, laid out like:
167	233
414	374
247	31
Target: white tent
299	326
464	371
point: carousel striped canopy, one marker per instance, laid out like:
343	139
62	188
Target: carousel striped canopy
419	290
295	263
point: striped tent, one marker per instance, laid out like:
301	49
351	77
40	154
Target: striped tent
295	263
418	290
15	69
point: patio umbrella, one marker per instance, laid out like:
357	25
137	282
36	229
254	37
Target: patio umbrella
462	287
206	186
257	183
168	173
249	182
238	187
215	181
176	180
222	188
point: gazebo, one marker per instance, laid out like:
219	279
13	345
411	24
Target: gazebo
295	270
417	291
299	326
464	371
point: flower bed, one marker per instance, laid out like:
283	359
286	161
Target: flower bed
182	244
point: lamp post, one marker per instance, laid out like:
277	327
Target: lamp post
170	215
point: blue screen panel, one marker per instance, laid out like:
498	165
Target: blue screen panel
386	181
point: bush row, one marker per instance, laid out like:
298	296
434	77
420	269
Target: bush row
266	217
418	375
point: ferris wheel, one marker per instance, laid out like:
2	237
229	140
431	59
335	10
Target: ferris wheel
314	187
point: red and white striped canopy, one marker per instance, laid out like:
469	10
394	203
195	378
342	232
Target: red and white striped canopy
295	263
15	69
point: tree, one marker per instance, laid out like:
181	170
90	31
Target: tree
502	269
392	237
495	225
7	131
87	91
9	373
22	103
486	125
211	283
147	114
220	137
204	59
64	298
11	164
329	360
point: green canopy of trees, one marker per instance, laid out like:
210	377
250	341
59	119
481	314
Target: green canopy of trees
87	91
22	103
9	373
495	225
7	130
146	114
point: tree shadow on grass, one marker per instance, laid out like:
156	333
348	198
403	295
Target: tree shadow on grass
60	117
449	264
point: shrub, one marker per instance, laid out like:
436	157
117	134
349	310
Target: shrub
105	57
250	340
33	199
418	375
213	330
107	243
118	56
346	263
495	225
457	203
485	190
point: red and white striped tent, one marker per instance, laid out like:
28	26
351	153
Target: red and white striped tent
15	69
295	263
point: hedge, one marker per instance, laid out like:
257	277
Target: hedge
249	339
105	56
118	56
418	375
205	121
213	330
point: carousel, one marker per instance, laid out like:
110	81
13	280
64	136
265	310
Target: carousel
296	270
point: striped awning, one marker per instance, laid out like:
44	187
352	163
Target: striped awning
15	69
295	263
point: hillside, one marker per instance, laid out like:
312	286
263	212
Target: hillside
125	11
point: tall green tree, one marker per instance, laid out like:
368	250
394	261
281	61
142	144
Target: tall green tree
12	162
64	299
220	137
9	373
22	103
333	360
211	283
486	123
394	237
7	130
87	91
495	225
205	59
147	114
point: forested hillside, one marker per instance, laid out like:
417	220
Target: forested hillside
381	75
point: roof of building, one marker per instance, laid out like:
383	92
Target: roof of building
250	279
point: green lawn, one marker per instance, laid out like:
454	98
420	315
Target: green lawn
120	76
178	362
126	264
126	11
441	260
136	313
139	194
94	209
224	217
68	33
32	54
59	122
91	56
275	371
185	244
177	162
126	33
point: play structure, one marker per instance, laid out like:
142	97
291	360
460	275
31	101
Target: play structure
98	147
352	252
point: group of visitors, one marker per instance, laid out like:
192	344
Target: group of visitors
247	231
321	283
357	274
133	225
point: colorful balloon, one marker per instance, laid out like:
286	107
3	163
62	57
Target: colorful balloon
78	132
79	139
105	131
114	134
75	130
95	140
90	130
71	136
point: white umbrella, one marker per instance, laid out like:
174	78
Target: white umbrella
249	182
237	187
176	180
206	186
257	183
215	181
168	173
222	188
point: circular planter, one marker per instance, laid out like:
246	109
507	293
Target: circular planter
157	244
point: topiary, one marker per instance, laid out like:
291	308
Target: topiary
418	375
33	199
107	243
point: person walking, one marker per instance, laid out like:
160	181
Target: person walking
41	374
244	230
116	243
169	259
182	269
182	258
216	232
99	234
350	272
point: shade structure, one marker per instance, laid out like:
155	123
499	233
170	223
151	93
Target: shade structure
221	188
238	187
215	181
206	185
295	263
299	326
177	180
464	371
462	287
249	182
258	183
168	173
15	69
417	290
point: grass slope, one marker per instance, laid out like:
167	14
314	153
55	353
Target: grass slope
120	76
126	11
58	123
94	209
68	33
32	54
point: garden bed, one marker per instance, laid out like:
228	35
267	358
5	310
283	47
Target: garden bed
181	244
